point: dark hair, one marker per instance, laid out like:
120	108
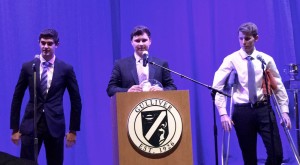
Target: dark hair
50	33
140	30
249	28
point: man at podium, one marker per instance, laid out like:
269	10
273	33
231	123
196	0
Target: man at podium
129	73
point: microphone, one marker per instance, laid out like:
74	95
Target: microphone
36	57
145	58
259	57
33	67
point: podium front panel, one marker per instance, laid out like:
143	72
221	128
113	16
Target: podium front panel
161	107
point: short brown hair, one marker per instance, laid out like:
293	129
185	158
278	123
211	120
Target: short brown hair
140	30
50	33
249	28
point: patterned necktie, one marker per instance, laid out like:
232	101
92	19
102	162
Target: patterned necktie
142	77
141	73
251	81
44	78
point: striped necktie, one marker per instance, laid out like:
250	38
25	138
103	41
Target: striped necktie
44	78
251	81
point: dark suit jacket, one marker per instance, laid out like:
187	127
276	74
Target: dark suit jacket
63	77
124	75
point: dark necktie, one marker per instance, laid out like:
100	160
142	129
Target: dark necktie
44	77
251	81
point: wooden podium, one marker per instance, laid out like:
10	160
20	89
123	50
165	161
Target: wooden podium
124	106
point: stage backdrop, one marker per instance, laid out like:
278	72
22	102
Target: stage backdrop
193	35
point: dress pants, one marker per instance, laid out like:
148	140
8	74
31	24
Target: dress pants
252	120
54	146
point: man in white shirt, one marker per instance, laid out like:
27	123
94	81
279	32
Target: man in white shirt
257	117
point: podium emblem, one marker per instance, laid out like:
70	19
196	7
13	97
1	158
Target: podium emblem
154	127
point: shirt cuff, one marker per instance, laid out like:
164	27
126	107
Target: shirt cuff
222	111
285	109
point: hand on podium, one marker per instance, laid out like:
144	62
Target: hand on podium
151	85
135	88
155	88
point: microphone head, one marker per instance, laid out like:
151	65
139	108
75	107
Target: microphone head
259	57
33	67
36	58
145	52
145	58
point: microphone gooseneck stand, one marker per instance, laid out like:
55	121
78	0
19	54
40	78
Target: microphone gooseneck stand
270	110
36	141
213	93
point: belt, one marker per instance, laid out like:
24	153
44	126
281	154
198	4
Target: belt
258	104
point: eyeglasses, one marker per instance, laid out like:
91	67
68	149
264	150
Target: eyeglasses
48	43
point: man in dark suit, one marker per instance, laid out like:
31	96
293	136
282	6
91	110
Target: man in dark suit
53	77
129	72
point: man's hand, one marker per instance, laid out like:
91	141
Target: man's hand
155	88
135	88
286	120
71	139
15	137
226	122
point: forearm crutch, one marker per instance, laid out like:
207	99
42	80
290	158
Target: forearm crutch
286	130
231	83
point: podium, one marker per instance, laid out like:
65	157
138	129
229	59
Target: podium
152	128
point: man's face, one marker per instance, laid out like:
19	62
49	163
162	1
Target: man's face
47	47
247	42
141	43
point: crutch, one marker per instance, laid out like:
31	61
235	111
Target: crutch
286	130
231	83
269	76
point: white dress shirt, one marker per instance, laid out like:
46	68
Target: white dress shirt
237	61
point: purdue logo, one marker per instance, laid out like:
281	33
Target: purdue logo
154	127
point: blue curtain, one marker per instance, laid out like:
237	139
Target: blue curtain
193	35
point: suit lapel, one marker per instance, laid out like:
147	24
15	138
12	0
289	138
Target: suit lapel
55	75
132	64
151	69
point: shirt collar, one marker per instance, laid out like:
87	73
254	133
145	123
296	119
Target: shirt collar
50	61
243	54
137	57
